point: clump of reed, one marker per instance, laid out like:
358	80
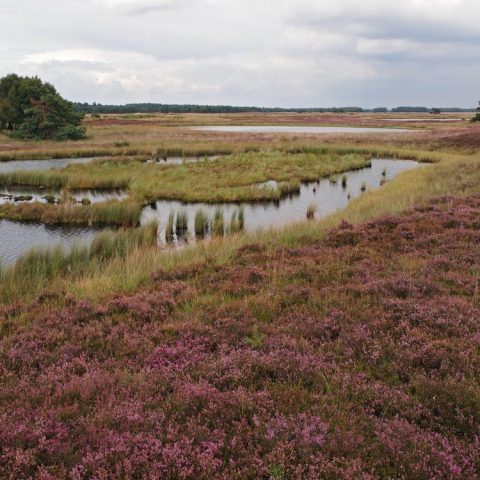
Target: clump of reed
237	221
181	227
241	218
218	226
289	188
363	187
125	213
201	224
333	179
311	210
170	227
49	198
344	181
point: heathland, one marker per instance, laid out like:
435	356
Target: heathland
341	348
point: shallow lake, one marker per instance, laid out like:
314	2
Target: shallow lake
299	129
326	195
16	238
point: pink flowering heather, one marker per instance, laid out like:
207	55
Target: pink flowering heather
352	358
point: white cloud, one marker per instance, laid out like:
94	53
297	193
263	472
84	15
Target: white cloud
274	52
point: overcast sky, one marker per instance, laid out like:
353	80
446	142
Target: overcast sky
288	53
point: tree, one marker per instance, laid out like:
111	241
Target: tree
32	109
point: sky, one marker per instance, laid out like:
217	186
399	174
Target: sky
288	53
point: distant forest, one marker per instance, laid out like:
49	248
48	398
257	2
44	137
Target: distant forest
174	108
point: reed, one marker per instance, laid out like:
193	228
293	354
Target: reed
181	227
36	266
201	223
344	181
170	227
289	188
218	227
311	210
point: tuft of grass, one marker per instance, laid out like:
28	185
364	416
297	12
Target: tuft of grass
363	187
218	226
311	210
201	224
170	227
344	181
289	188
181	227
241	218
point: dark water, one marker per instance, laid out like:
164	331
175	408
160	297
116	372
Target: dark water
16	238
327	197
299	129
22	165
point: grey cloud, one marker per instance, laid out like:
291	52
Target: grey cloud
274	52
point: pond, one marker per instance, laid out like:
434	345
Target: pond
328	195
299	129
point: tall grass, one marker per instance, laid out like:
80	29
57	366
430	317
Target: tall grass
125	213
201	223
218	226
170	227
181	227
36	266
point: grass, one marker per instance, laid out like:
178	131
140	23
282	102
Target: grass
312	208
35	267
457	176
201	223
125	213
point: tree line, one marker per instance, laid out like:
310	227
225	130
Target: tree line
98	108
33	109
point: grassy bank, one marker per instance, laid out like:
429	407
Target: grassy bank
125	213
35	268
451	177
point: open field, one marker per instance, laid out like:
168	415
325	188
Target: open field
341	348
169	134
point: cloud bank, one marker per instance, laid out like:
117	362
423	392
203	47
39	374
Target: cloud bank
288	53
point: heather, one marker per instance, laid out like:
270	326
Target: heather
352	356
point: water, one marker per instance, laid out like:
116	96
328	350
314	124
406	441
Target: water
182	160
8	195
327	196
24	165
16	238
299	129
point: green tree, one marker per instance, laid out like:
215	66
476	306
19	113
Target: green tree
32	109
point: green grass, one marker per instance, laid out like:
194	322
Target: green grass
125	213
34	268
458	176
